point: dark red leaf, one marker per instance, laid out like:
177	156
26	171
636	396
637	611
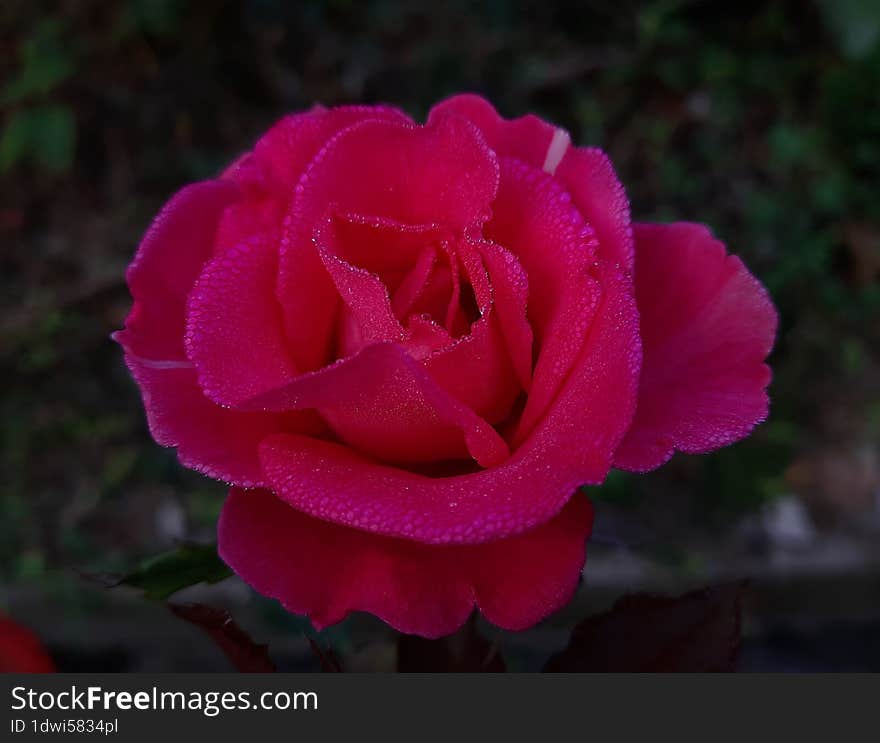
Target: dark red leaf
466	651
326	657
242	651
697	632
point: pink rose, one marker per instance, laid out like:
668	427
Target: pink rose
406	346
21	651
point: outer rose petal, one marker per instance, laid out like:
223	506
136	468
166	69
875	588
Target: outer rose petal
269	176
284	152
326	571
572	445
21	651
585	171
588	175
234	333
527	138
217	442
707	325
168	260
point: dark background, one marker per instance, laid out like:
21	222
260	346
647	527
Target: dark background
761	119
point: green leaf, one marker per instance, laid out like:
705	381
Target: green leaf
45	64
15	140
46	134
53	137
165	574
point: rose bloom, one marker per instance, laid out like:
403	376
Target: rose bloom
407	346
21	651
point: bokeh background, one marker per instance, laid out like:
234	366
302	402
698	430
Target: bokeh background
761	119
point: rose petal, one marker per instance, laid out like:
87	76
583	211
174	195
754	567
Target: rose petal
255	215
414	282
209	439
168	260
442	174
476	370
426	337
535	220
326	571
386	247
234	333
282	156
368	303
217	442
285	151
526	138
588	175
585	171
383	402
510	288
707	325
572	445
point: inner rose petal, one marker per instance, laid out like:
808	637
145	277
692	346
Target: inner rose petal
443	173
444	307
387	272
364	294
414	283
384	403
535	219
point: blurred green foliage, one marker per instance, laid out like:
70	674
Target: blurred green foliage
45	63
854	23
36	131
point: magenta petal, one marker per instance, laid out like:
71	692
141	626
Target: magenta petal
414	282
214	441
168	260
707	326
366	297
476	370
521	580
590	178
585	171
255	215
219	443
571	446
384	403
526	138
326	571
284	152
442	174
279	159
510	287
535	220
234	333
